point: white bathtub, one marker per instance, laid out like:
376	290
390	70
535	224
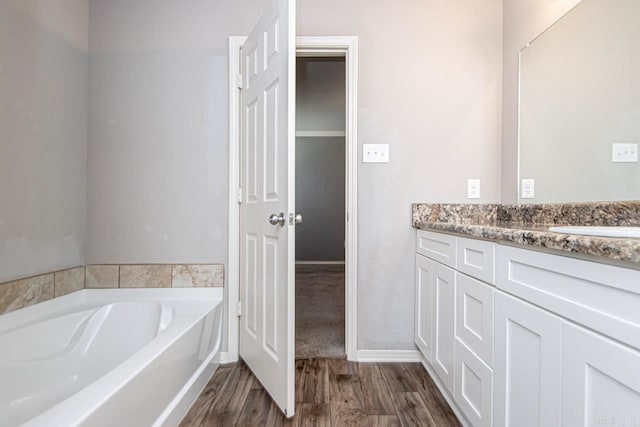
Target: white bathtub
117	357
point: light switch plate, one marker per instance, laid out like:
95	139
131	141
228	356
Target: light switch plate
527	189
473	189
624	153
375	153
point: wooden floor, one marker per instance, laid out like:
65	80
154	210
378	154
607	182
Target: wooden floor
329	392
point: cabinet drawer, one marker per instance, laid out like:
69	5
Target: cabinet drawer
474	387
440	247
474	316
476	258
603	297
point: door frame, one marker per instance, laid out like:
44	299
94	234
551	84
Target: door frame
329	46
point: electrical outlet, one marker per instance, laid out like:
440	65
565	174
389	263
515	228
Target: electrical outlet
527	189
624	153
473	189
375	153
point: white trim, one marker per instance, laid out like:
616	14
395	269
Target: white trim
319	133
305	46
320	262
232	285
223	358
347	47
445	393
389	356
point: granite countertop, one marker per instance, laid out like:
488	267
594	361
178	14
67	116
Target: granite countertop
528	225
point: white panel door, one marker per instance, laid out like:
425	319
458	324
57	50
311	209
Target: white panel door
600	380
424	306
444	296
267	187
474	386
527	364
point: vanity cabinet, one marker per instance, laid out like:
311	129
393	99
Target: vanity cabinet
434	326
600	380
457	344
517	337
474	316
424	313
474	386
444	296
528	344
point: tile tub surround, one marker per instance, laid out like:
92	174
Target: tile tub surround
145	276
24	292
67	281
197	275
102	276
155	276
528	225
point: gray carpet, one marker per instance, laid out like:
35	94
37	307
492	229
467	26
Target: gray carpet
320	311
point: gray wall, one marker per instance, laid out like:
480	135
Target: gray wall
320	175
320	162
523	21
429	85
158	129
320	94
43	133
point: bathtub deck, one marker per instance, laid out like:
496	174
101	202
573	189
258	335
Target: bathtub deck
329	392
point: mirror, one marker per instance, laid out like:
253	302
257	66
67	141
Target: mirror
580	99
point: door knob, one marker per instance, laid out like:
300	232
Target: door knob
275	219
298	218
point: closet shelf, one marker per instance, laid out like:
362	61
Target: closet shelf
319	133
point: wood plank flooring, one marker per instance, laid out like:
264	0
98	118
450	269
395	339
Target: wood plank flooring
329	392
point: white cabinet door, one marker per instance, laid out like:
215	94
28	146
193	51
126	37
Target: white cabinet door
527	364
600	380
474	386
424	306
444	290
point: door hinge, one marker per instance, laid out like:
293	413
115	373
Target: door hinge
239	82
239	195
239	308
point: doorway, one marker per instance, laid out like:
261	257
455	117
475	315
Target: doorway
327	47
320	197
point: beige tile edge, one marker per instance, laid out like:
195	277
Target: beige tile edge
30	290
24	292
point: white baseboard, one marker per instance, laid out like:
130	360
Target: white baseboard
388	356
445	393
319	262
224	358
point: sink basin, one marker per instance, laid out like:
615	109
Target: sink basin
622	232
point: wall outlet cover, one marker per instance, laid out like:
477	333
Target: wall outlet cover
527	189
473	188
